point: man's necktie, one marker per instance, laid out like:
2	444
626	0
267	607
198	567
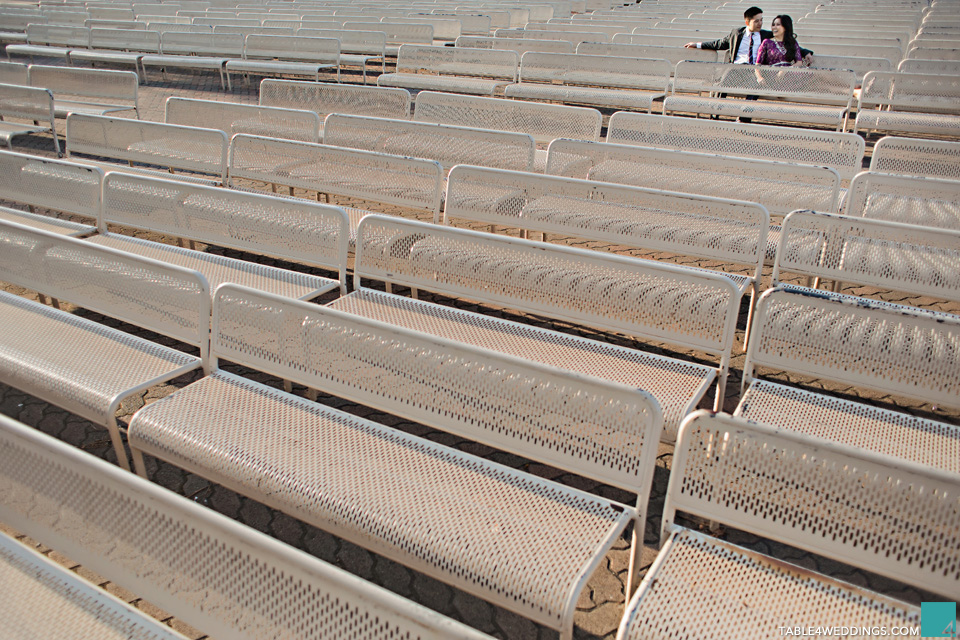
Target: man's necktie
750	52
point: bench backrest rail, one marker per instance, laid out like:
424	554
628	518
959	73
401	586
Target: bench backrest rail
101	84
325	98
483	63
51	184
596	71
916	157
291	48
201	44
232	118
928	202
923	92
188	560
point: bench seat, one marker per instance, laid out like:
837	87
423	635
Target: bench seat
311	69
46	223
63	108
728	107
938	124
678	386
219	269
707	578
106	55
926	442
150	173
412	500
39	598
593	96
39	50
455	84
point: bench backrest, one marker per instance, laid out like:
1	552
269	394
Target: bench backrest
165	298
475	24
726	230
232	117
580	27
126	39
289	229
934	53
58	35
227	579
518	45
484	63
201	44
447	144
604	431
573	37
366	42
444	28
916	157
168	145
893	53
840	151
877	253
397	180
885	515
859	342
397	33
937	67
816	86
105	23
225	22
13	73
19	22
779	187
613	293
927	202
178	27
88	83
659	39
911	92
545	122
671	54
257	46
858	64
596	71
26	103
51	184
324	98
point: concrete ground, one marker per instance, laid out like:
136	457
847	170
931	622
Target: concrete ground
601	606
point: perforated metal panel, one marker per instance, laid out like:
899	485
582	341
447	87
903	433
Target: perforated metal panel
58	35
397	34
447	144
910	156
888	255
932	93
519	45
596	71
638	297
573	37
778	186
730	593
409	182
383	102
542	121
232	118
46	223
860	342
268	47
26	103
671	54
166	145
202	44
816	86
730	231
125	39
480	63
909	199
840	151
940	67
879	513
226	579
516	540
858	64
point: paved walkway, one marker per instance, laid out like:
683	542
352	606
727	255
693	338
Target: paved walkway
602	604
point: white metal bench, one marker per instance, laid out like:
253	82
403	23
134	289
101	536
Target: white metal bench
807	493
13	73
938	67
295	231
840	151
118	46
600	81
51	41
203	568
233	118
326	98
80	365
519	45
858	64
445	28
459	70
778	186
447	144
90	91
672	54
522	542
914	157
50	184
860	344
927	202
33	104
612	293
191	149
803	95
909	103
185	50
373	177
398	34
545	122
357	48
291	55
573	37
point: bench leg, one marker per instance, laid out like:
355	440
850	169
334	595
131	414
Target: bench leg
138	463
312	394
636	549
288	386
114	430
750	309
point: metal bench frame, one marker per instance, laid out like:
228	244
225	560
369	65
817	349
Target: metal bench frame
89	91
927	202
326	98
233	118
293	55
459	70
909	103
26	103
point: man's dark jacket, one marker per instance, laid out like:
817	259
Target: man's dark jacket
731	43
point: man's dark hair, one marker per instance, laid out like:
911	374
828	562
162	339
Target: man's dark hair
752	11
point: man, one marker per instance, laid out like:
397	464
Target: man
742	43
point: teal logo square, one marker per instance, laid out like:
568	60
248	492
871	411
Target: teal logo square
938	620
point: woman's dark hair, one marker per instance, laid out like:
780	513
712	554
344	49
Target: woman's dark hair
789	37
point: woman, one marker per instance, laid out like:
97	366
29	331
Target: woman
782	50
